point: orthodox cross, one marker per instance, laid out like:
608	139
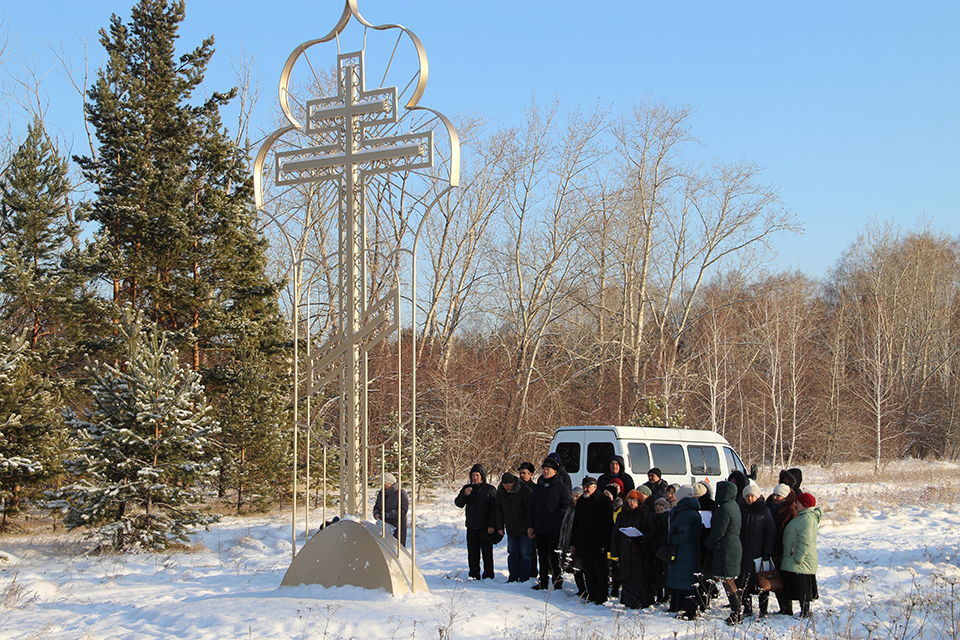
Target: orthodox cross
357	129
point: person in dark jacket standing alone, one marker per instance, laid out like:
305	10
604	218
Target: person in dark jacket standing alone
480	500
513	502
394	511
551	500
592	522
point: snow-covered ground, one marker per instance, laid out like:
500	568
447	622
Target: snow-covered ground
889	568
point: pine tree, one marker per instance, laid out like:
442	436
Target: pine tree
252	410
142	448
31	432
173	196
41	278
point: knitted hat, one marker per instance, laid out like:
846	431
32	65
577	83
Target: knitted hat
807	500
508	478
655	471
550	462
635	495
686	491
751	490
389	478
699	490
663	502
645	490
578	490
781	490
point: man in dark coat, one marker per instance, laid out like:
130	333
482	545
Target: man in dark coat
656	484
616	470
724	539
592	522
525	472
393	511
550	501
513	502
479	498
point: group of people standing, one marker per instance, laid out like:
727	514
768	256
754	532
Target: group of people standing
653	544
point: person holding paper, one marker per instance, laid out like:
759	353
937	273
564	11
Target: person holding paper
633	544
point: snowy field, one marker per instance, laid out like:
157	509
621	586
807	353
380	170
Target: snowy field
889	568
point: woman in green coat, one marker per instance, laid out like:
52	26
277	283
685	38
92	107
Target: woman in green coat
724	540
799	564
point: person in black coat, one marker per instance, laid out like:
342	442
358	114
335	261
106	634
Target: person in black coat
757	535
616	470
525	472
479	499
656	484
636	554
592	522
394	510
550	501
513	502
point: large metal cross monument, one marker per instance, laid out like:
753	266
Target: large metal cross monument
359	144
348	117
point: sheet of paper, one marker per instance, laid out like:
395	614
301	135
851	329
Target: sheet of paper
630	532
707	518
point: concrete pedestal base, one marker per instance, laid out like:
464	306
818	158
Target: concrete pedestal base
350	553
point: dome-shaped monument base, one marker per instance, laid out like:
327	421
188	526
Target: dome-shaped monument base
351	553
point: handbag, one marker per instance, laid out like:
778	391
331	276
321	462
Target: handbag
768	576
667	553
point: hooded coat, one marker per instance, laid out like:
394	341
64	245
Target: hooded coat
782	515
550	501
800	542
625	478
724	536
481	504
685	526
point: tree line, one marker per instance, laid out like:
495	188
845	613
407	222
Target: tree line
590	269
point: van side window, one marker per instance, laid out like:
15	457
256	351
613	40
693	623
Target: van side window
669	458
598	455
733	461
639	458
704	460
569	453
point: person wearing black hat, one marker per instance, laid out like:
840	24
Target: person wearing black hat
592	523
656	484
551	500
513	502
525	472
479	499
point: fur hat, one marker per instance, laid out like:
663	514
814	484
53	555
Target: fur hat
636	495
508	478
787	478
781	490
699	490
751	490
645	490
528	466
389	479
550	462
686	491
807	500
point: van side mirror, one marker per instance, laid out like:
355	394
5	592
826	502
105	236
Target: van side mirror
753	472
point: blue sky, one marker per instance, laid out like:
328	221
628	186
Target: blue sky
851	106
